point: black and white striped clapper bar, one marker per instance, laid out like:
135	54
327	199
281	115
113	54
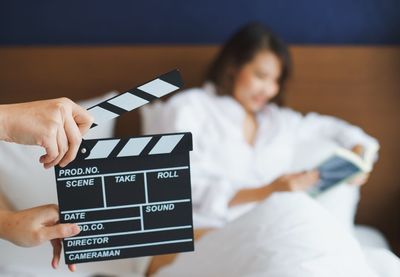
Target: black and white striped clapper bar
130	197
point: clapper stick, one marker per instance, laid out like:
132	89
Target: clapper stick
136	97
131	197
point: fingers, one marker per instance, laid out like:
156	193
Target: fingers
358	149
57	246
72	267
313	175
60	231
303	180
310	178
56	243
51	147
40	123
47	215
63	148
82	117
74	140
62	144
359	180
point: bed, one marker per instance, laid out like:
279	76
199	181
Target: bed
359	84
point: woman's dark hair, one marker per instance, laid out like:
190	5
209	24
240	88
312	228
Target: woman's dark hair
241	49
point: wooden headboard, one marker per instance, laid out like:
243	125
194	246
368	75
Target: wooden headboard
358	84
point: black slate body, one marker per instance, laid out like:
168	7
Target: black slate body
131	197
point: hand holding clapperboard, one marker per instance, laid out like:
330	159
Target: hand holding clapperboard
131	197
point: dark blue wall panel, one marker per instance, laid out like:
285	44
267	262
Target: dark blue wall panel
189	21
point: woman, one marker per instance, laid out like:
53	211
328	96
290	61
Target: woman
238	113
244	147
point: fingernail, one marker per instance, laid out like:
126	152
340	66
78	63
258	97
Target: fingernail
75	229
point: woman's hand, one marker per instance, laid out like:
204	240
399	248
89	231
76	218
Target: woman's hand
362	178
289	182
57	125
35	226
296	182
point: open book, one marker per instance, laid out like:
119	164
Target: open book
343	165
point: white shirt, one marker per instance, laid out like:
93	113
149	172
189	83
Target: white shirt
222	162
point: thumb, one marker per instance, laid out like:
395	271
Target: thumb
59	231
82	118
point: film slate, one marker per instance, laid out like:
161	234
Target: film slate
130	197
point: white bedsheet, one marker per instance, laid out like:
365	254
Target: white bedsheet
289	234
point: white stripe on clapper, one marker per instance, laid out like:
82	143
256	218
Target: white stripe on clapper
101	115
158	88
131	232
102	149
166	144
128	101
134	147
130	246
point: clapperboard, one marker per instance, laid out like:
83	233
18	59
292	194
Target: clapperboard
130	197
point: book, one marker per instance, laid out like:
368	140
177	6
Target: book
342	166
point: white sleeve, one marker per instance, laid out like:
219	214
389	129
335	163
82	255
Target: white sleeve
211	192
346	135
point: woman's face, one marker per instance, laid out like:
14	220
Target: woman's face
257	81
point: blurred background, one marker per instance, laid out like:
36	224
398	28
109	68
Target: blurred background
346	62
94	22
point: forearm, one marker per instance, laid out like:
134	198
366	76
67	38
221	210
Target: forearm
251	195
6	211
336	129
4	219
288	182
3	121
